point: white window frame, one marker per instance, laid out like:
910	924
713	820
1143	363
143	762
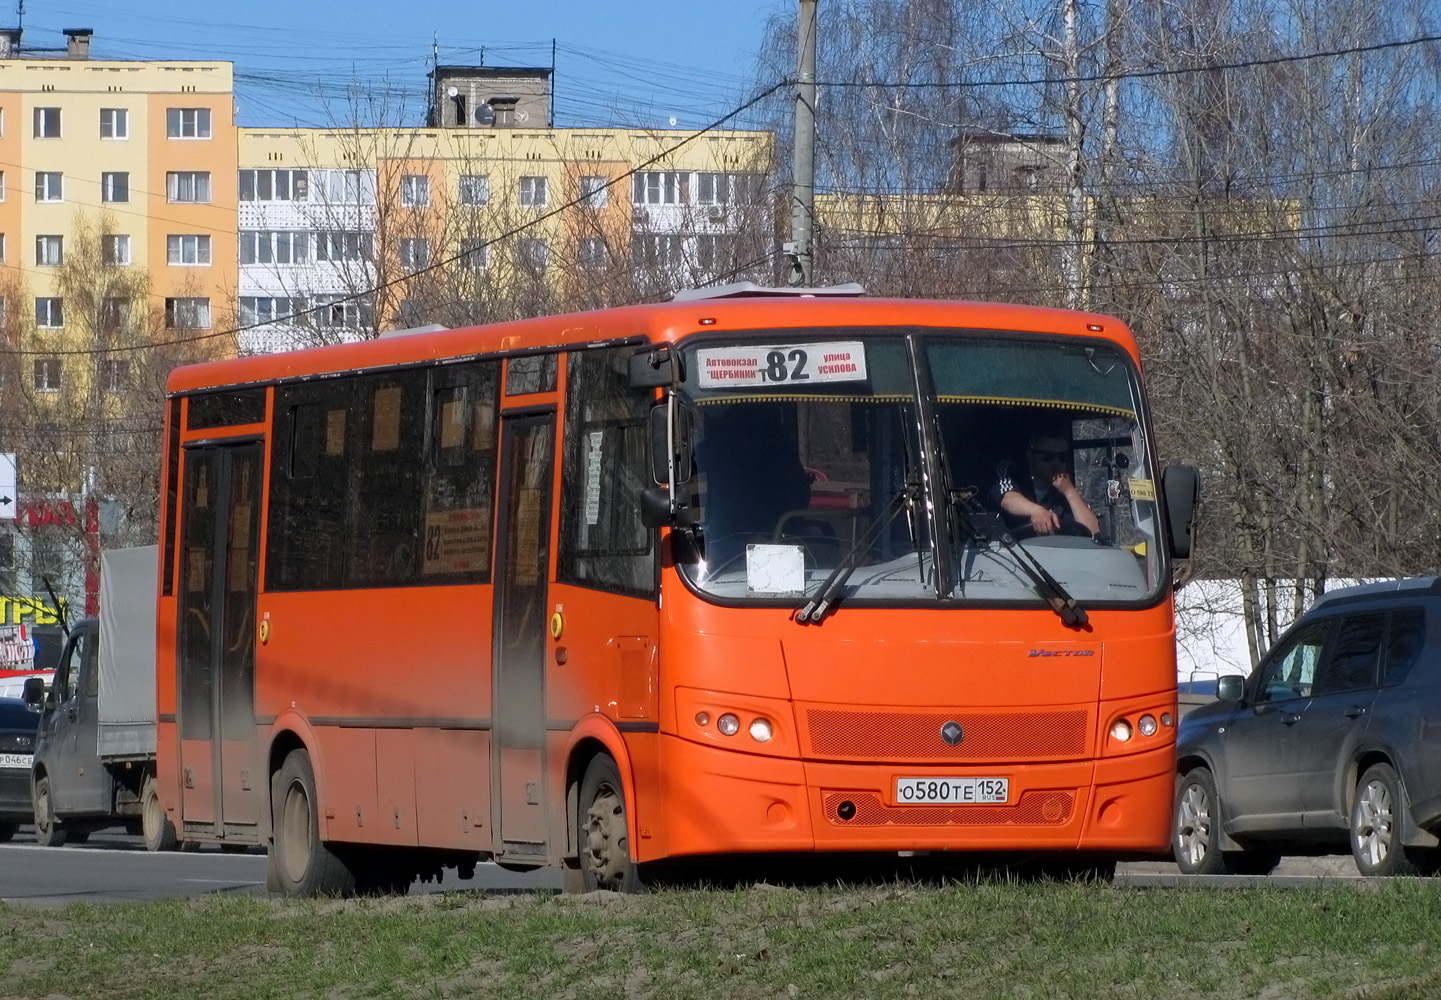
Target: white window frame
415	191
54	309
187	250
534	192
474	253
534	253
49	251
120	242
657	187
593	191
116	121
414	253
43	117
592	254
187	187
187	123
475	189
49	374
107	187
196	307
114	374
49	186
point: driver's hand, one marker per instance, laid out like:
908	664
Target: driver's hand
1044	521
1062	482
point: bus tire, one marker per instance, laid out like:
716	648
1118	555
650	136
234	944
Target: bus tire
306	866
48	831
155	826
7	832
603	834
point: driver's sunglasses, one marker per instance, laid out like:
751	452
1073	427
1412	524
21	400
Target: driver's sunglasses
1045	455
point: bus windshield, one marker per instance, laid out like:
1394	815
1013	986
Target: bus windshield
931	465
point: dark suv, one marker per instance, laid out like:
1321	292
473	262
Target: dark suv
1335	737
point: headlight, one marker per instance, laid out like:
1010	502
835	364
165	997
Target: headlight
1147	725
728	724
761	730
1121	731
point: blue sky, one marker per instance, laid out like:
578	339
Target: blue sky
618	62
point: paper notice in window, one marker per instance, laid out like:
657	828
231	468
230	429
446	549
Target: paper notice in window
775	569
457	541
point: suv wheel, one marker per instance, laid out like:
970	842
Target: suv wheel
1376	819
1196	835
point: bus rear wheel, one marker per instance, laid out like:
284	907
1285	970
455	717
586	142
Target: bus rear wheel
604	837
304	864
155	826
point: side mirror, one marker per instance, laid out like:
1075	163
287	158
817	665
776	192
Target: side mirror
1230	687
655	369
34	691
655	507
1181	485
660	444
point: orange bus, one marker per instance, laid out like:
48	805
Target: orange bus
725	575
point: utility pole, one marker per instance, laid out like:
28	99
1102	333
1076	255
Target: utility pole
803	200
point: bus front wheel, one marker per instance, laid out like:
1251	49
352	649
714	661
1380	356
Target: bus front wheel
604	838
304	865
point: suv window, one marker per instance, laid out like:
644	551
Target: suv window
1291	671
1352	665
1408	634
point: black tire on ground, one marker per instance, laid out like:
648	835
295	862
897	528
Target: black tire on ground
48	831
1196	832
305	864
1377	817
7	831
77	835
602	834
155	825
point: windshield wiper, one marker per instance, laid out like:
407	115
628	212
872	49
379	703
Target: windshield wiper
825	598
1062	603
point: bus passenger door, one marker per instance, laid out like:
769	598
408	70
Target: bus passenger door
221	789
521	568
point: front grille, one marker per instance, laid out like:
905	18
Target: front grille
17	742
902	737
1035	808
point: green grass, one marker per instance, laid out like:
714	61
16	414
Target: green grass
983	939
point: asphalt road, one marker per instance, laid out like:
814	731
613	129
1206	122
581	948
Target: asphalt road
115	867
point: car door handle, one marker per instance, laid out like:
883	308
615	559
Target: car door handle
1355	711
1290	718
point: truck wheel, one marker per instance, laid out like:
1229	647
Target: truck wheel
305	865
603	837
155	826
48	831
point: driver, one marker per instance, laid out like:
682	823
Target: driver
1043	500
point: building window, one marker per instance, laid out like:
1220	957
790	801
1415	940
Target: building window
2	255
655	187
533	192
412	313
474	254
274	185
474	189
50	313
47	123
49	251
114	374
258	309
114	123
187	313
283	247
188	186
415	191
187	123
592	254
652	252
341	313
114	313
535	254
187	249
346	187
115	249
115	186
2	185
344	246
593	192
47	374
49	185
414	254
713	189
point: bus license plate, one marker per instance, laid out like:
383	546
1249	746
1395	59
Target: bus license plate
16	760
952	791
